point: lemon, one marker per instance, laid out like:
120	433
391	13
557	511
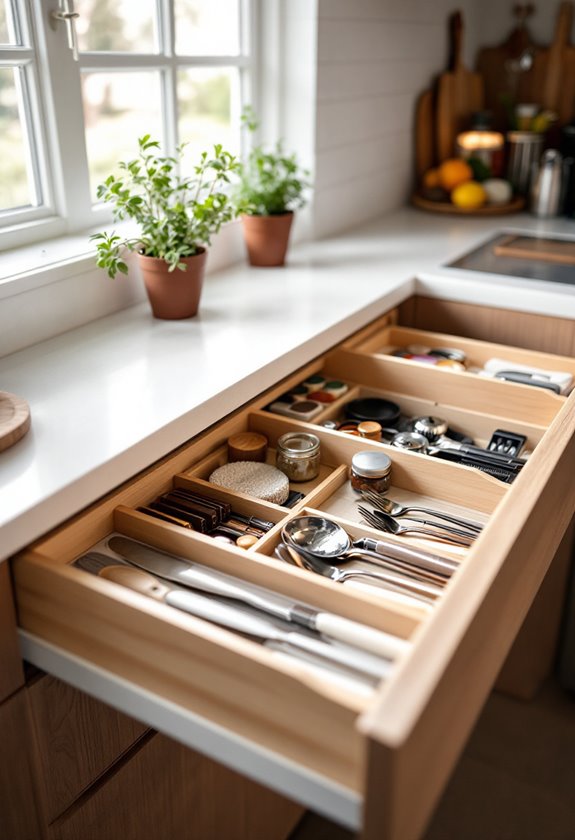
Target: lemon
453	172
469	196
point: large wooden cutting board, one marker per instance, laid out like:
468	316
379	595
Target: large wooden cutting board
507	70
553	84
459	95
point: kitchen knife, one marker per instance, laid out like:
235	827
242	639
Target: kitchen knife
186	573
237	619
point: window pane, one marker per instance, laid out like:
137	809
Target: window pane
116	25
7	29
207	99
116	114
16	183
207	27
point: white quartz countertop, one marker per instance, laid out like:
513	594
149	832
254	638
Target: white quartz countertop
110	398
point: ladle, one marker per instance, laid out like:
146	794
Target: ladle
327	540
312	563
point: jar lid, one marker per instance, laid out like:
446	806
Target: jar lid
298	444
412	441
370	464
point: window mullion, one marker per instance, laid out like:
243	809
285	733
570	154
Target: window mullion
65	121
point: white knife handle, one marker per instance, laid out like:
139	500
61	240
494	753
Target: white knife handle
349	657
360	636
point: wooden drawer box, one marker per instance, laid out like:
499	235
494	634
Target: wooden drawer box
377	761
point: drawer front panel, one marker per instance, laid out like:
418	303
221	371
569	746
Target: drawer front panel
11	671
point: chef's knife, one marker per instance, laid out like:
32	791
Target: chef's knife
186	573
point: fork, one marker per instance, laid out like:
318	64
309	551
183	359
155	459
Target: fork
396	509
385	522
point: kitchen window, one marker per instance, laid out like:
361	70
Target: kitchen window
81	81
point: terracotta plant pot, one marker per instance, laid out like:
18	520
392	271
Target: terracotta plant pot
267	238
174	294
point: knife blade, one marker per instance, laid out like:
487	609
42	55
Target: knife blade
195	576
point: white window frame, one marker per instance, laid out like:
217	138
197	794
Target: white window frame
57	112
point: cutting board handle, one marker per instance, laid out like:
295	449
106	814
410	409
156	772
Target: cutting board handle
456	40
563	27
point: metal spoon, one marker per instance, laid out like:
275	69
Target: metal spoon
305	560
327	540
385	522
394	508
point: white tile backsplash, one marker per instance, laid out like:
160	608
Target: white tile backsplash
374	58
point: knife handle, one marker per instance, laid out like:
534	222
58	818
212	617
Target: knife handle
358	635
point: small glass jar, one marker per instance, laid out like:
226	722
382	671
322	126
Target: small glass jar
297	455
370	471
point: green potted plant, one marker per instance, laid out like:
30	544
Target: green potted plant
176	215
271	186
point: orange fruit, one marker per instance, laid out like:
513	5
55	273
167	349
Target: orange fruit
469	196
431	178
454	172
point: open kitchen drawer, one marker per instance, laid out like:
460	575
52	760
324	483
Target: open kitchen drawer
376	760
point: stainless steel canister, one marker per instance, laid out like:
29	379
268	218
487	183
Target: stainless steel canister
525	149
546	187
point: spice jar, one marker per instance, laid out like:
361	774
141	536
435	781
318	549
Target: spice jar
297	455
370	471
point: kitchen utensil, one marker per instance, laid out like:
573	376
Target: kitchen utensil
460	94
424	133
312	563
14	419
186	573
430	427
506	443
382	411
387	505
538	380
441	526
232	618
327	540
546	187
385	522
507	69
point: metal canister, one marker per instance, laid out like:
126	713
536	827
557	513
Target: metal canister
525	149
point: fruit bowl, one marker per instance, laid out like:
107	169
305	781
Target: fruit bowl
514	206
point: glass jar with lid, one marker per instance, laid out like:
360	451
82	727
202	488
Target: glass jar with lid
370	471
298	455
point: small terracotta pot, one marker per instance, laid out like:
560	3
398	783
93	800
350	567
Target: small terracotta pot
267	238
174	294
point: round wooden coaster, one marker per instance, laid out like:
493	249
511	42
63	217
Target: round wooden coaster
14	419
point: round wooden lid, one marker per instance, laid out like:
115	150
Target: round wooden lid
247	446
14	419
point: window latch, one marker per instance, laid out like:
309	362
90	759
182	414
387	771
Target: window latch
66	14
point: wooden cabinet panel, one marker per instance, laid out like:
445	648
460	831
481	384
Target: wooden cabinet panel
78	739
11	672
520	329
19	819
168	792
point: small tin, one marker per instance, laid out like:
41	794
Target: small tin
370	471
412	441
370	429
298	455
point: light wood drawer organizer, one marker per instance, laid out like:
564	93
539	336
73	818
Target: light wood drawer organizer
377	759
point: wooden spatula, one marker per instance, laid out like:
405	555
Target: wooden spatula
460	94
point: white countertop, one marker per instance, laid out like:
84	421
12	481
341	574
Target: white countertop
110	398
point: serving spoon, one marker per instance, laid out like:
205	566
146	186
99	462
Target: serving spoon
327	540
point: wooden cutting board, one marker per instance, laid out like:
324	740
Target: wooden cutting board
553	85
424	134
537	248
459	95
14	419
505	78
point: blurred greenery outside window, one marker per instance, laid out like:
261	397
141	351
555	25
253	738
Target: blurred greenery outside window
177	69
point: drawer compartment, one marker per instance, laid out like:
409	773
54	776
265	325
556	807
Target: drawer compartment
357	756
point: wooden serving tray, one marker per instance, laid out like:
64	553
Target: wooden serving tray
515	206
377	763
